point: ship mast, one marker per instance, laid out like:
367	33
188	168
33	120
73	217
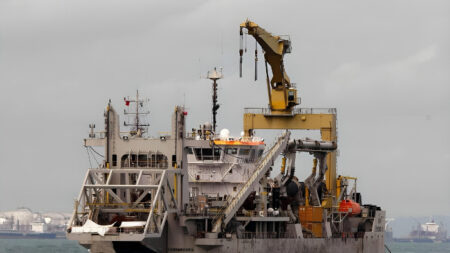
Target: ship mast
137	126
214	75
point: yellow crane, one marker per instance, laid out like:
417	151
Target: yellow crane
282	94
283	99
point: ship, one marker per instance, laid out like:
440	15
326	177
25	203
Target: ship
205	190
26	224
428	232
388	232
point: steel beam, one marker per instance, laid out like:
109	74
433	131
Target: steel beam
325	122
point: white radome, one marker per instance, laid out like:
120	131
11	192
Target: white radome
224	134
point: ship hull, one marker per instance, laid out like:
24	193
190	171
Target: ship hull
373	243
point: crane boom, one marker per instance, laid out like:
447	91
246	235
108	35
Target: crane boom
282	94
283	99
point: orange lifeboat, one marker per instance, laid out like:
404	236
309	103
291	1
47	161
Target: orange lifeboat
349	206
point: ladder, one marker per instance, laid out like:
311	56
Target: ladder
228	212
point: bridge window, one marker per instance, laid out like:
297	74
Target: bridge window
244	151
207	154
231	151
174	160
142	160
114	160
198	153
252	155
124	161
203	154
150	160
216	153
260	152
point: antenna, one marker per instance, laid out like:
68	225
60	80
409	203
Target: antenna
137	127
215	75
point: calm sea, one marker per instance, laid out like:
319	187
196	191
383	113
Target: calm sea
40	246
66	246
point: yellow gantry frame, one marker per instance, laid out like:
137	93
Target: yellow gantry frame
326	123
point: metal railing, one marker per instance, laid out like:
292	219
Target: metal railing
228	211
257	214
265	235
119	230
268	111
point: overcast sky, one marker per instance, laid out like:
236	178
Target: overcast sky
383	64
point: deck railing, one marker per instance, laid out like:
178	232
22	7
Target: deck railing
268	111
265	235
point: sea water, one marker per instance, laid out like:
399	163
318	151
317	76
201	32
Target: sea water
40	246
411	247
67	246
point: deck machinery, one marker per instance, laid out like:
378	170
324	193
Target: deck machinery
207	191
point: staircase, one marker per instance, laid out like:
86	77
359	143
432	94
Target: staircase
227	213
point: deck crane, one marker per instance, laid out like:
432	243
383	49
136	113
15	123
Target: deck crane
282	94
282	113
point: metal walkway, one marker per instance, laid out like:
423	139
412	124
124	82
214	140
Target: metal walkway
228	212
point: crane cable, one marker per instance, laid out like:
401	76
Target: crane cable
256	60
90	152
89	156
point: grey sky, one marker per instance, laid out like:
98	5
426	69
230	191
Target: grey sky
384	65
